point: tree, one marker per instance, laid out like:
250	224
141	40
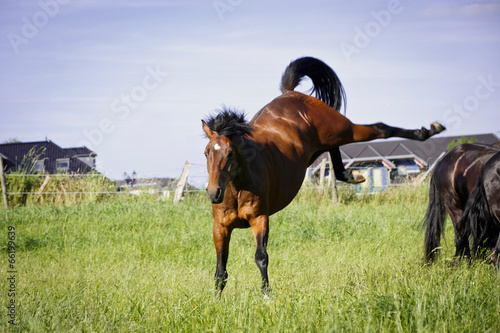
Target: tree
12	140
460	141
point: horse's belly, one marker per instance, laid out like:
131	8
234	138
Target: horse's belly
285	192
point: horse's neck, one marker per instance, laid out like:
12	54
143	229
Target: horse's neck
251	162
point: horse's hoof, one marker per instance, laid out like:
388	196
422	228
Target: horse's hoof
354	177
437	127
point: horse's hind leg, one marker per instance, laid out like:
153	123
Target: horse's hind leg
340	171
382	131
462	247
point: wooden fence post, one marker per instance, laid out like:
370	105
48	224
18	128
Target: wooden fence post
44	185
333	181
421	178
179	189
322	173
4	185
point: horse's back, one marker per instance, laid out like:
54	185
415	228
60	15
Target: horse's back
294	115
458	171
284	110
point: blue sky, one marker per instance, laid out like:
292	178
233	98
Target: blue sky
132	79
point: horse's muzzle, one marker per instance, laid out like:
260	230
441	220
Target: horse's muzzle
216	196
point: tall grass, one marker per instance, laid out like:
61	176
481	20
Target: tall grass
63	188
139	264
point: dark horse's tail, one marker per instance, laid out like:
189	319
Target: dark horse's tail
434	223
326	87
478	219
326	84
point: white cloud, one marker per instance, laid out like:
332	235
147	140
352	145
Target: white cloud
440	10
139	4
480	9
450	9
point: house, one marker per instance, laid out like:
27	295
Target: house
392	162
46	157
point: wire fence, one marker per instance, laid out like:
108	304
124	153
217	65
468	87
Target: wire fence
129	189
25	188
20	189
134	189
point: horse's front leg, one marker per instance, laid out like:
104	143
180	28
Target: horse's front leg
260	230
383	131
222	236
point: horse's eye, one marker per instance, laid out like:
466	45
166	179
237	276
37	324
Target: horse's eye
205	153
230	154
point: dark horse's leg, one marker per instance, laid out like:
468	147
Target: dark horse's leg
222	236
462	249
260	230
462	246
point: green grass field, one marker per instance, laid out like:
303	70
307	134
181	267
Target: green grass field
140	264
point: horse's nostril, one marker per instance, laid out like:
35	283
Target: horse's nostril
219	192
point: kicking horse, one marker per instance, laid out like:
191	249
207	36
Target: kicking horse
256	168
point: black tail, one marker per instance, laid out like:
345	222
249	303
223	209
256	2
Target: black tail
326	85
478	219
434	223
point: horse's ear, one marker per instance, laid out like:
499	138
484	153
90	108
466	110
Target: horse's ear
207	129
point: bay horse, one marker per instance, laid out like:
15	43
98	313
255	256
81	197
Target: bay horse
452	181
256	168
481	217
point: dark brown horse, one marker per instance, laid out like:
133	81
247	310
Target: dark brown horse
452	181
481	218
256	169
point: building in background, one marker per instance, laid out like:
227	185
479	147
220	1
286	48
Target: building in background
46	157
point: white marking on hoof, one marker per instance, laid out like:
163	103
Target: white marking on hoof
439	128
354	177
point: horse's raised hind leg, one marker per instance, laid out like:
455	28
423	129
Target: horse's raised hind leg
260	230
382	131
367	133
222	236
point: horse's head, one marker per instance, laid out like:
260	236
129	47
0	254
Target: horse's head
221	162
223	132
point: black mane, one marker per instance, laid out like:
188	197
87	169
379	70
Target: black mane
229	123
